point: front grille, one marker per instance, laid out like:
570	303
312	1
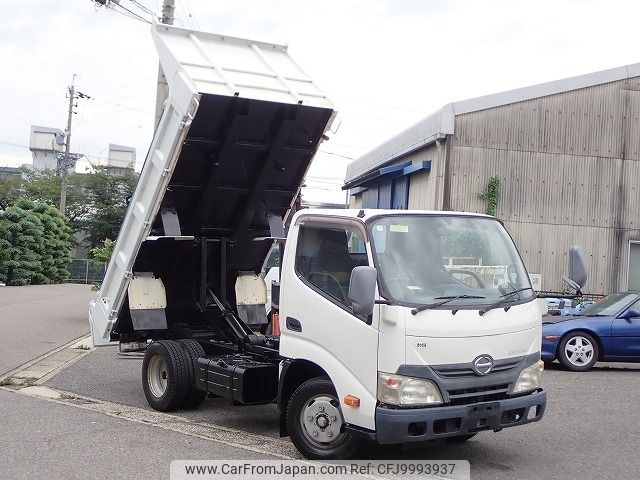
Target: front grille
466	370
465	396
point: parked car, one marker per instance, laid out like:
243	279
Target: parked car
608	330
558	306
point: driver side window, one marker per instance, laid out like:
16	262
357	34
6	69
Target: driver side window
635	307
326	256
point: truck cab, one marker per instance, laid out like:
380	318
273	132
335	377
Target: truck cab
438	349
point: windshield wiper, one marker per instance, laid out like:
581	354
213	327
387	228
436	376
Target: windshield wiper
503	300
419	309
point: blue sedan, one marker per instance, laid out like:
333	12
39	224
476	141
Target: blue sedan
605	331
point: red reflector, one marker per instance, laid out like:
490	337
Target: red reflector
552	337
352	401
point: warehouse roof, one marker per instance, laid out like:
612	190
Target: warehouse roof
441	123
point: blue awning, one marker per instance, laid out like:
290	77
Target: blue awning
385	173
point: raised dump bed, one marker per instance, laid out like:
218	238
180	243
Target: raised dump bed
237	135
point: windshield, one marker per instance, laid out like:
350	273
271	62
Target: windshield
609	305
424	259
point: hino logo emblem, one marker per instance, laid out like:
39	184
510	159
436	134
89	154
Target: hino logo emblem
482	365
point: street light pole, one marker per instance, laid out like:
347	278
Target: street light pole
67	159
67	148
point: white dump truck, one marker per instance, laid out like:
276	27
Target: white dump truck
394	326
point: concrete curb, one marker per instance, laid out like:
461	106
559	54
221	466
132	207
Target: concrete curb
44	367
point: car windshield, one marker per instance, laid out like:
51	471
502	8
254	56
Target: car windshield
469	261
609	305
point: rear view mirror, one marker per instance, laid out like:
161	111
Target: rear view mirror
578	275
362	290
631	313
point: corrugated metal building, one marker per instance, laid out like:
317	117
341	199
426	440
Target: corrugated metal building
567	154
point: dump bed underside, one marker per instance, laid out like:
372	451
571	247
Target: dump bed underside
242	162
239	131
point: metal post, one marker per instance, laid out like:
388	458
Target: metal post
223	270
86	273
203	272
168	9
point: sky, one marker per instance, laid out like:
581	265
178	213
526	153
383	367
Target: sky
384	64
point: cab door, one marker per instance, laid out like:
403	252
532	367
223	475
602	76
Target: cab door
625	334
316	320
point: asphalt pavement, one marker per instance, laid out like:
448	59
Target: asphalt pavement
41	439
590	430
36	319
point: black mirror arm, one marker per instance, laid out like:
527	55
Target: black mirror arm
384	302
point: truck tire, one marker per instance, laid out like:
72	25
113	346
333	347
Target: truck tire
315	422
193	349
165	375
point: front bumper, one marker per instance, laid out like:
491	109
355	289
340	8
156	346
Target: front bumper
549	350
420	424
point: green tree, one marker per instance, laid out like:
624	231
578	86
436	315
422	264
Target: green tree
103	253
9	191
96	203
44	186
55	247
20	239
106	199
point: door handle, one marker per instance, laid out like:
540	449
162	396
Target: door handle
293	324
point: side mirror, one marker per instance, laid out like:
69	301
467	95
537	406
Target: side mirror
362	290
631	313
578	275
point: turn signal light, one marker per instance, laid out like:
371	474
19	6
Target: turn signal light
352	401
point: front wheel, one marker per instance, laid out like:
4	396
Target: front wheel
316	424
578	352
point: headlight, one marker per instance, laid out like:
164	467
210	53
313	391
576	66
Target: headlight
529	378
399	390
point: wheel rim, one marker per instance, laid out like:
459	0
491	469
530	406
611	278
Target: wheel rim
322	422
579	351
157	375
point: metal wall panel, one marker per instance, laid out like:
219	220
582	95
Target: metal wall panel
384	194
370	198
569	166
425	187
634	266
400	193
355	201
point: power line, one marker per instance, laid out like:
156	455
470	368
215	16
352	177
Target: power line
131	13
193	19
122	105
142	7
389	107
336	154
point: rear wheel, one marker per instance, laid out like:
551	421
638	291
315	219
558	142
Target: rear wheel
194	350
165	375
316	424
578	352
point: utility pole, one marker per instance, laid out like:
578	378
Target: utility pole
168	9
73	95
